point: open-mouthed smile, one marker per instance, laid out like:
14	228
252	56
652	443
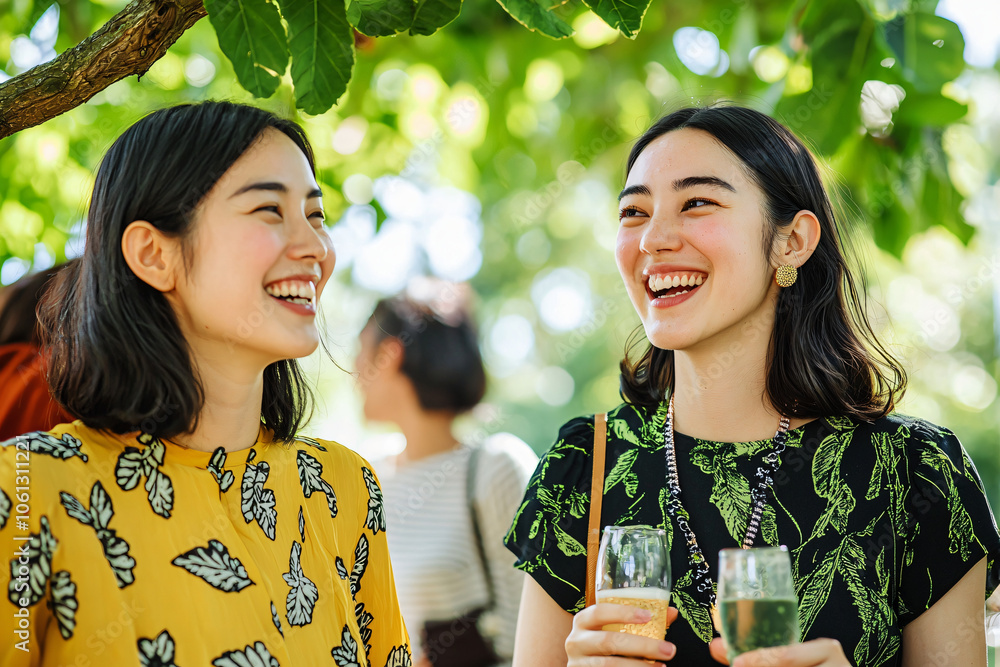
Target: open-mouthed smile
671	288
296	293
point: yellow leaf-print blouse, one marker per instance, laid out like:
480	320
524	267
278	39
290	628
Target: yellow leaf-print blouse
135	551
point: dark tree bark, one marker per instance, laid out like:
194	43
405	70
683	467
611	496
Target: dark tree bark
127	44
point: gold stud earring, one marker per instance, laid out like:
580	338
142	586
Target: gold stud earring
786	275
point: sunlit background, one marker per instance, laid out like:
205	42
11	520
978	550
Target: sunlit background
496	160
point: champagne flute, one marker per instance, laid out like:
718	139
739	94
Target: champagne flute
633	568
757	603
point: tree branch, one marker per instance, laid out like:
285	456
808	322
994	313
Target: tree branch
128	44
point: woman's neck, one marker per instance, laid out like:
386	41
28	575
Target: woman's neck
427	433
230	417
720	386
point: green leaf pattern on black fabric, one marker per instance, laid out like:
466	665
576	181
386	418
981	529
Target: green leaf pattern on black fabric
690	608
842	502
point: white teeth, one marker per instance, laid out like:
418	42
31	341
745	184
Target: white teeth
661	282
293	289
671	296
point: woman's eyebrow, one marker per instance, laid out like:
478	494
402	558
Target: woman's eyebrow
274	187
638	189
691	181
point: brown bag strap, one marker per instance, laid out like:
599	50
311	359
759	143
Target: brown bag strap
596	498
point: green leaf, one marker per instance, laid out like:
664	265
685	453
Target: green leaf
380	18
814	590
536	15
934	110
429	16
690	610
930	49
252	37
620	15
622	467
322	45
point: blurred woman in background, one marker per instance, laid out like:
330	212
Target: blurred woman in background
449	503
25	402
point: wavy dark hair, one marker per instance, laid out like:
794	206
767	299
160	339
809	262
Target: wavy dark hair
824	358
117	357
440	351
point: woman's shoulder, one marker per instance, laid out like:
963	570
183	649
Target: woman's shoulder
332	453
910	434
67	449
570	458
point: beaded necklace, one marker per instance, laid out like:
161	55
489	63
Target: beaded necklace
758	494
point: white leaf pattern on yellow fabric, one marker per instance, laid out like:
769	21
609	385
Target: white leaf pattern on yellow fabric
303	594
375	520
399	656
258	503
276	620
133	464
309	477
40	442
98	517
360	563
214	564
251	656
346	655
5	506
62	601
216	466
157	652
39	547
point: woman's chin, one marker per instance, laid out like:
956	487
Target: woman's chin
668	339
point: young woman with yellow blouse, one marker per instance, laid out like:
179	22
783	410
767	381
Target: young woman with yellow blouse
181	520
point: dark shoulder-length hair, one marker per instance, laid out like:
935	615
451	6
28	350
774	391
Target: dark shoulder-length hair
440	349
824	359
117	357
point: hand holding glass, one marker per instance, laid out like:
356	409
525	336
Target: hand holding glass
757	603
633	568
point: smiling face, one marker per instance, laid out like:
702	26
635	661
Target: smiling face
259	258
690	242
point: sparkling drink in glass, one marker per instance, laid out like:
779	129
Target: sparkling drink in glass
757	603
633	568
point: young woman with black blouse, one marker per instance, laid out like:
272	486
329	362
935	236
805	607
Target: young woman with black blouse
729	250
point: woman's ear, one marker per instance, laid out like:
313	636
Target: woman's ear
803	237
151	255
391	349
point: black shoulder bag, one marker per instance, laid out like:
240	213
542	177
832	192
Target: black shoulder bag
458	642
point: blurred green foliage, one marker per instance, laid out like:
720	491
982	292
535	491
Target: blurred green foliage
538	130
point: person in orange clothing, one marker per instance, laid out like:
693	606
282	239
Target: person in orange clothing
25	402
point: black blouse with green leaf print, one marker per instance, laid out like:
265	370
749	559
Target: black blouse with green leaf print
880	519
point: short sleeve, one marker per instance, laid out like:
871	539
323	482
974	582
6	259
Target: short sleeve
950	526
549	531
372	585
